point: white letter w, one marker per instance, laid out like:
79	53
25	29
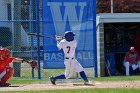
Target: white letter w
70	13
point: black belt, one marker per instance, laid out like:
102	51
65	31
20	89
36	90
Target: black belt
69	58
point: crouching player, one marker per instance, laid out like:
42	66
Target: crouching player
5	70
69	45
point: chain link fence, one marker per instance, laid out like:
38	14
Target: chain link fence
18	18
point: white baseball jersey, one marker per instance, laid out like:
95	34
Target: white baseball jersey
70	62
68	47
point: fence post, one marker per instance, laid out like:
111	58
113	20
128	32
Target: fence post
38	39
17	67
17	36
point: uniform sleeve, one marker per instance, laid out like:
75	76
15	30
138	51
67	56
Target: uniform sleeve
6	62
59	45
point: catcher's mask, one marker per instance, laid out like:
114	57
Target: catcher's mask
4	53
69	35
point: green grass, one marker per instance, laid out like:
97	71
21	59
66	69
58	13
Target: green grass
117	78
45	73
26	79
101	90
18	80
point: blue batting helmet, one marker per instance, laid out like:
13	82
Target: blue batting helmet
69	36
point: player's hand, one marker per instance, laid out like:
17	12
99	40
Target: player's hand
134	62
59	38
23	61
32	63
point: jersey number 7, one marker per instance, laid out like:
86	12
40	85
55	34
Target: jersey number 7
68	47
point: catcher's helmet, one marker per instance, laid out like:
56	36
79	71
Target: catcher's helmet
4	53
69	36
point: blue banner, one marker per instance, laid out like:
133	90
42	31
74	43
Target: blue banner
78	16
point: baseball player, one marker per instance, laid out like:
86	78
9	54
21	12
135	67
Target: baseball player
5	70
71	64
131	59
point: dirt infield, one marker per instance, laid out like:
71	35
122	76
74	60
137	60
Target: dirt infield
109	84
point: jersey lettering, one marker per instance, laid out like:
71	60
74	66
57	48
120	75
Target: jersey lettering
68	47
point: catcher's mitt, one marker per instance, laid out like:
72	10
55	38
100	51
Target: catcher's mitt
33	63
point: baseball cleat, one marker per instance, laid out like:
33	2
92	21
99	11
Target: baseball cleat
86	83
5	84
52	79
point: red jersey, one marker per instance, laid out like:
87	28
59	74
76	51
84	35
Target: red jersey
5	63
132	57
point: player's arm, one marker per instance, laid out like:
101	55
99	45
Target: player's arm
18	60
33	63
59	38
60	44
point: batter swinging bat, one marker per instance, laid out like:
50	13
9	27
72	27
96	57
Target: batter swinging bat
57	38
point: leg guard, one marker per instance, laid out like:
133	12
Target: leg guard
9	73
127	68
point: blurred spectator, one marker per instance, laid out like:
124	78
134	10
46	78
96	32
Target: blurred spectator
131	60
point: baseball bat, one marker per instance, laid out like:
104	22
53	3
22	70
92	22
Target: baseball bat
57	38
32	34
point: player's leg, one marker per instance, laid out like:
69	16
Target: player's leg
53	78
80	69
127	68
8	74
135	66
70	67
83	76
68	74
61	76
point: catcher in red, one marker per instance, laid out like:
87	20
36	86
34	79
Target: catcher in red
6	71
